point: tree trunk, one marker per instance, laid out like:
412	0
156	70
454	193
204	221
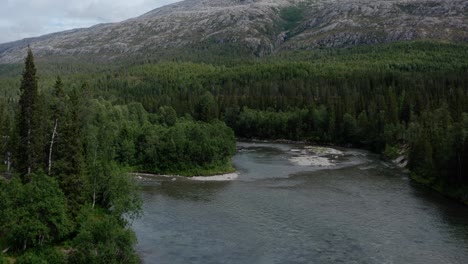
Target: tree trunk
94	174
8	161
29	151
54	133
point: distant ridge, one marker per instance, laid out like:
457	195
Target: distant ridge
254	27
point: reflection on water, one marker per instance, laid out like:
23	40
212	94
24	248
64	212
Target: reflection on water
359	211
193	191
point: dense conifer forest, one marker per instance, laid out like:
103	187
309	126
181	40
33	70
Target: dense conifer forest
403	98
77	136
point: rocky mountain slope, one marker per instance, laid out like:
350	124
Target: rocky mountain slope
258	27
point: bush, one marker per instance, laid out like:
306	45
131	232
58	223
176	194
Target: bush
2	259
46	256
391	152
31	258
33	214
53	256
103	239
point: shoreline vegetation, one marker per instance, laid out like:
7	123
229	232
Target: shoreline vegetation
207	171
401	161
460	195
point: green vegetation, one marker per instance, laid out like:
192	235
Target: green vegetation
179	117
100	232
66	193
372	97
162	144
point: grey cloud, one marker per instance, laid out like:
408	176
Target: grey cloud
29	18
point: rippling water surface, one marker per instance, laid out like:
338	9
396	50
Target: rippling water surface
342	206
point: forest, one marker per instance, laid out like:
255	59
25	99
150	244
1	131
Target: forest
396	99
66	192
94	124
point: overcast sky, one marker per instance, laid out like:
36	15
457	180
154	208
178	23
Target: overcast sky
31	18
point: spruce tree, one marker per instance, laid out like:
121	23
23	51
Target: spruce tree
70	160
28	152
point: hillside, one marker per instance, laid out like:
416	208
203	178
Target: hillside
252	27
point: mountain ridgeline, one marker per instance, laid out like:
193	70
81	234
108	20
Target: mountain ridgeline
251	28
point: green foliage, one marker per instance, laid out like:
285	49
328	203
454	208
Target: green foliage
39	211
206	109
184	148
268	124
114	190
3	260
156	143
53	255
438	150
47	256
31	258
102	239
168	115
34	214
391	152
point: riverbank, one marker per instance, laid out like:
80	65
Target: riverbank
290	209
288	141
401	161
459	194
219	177
213	169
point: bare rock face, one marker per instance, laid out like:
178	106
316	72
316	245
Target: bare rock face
343	23
259	26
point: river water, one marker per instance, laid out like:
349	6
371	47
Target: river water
298	204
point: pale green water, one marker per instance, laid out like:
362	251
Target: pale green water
360	211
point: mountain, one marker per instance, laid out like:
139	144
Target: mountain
253	27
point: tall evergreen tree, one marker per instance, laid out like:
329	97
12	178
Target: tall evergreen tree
28	153
69	161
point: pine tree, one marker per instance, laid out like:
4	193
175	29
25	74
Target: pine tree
69	161
28	153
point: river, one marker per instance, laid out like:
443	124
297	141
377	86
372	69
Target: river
300	204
